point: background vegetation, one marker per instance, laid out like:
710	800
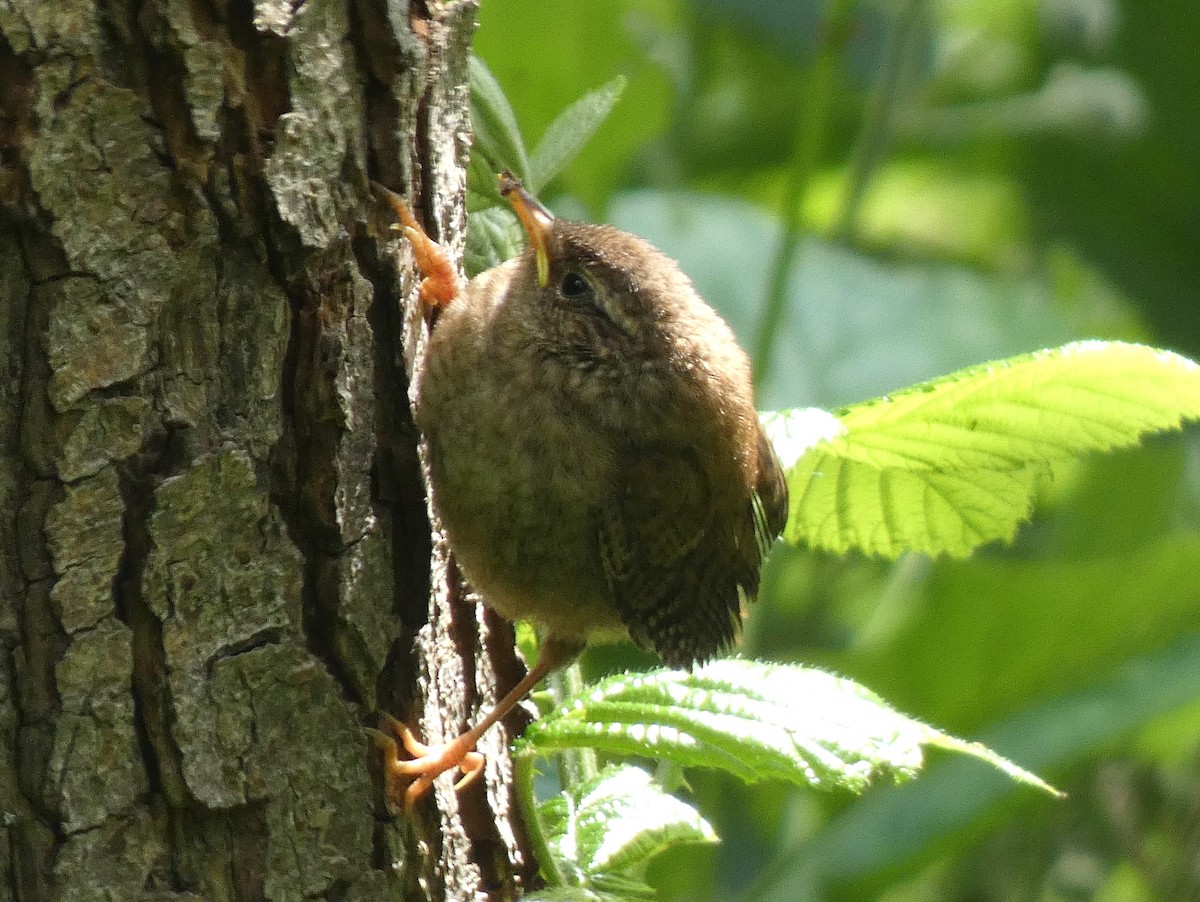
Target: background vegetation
877	193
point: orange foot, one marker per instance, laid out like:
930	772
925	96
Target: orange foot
408	780
441	284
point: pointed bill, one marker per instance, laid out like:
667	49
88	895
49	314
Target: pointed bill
534	217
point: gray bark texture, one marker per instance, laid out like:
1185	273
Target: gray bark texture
215	552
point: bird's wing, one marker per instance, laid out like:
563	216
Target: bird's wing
770	500
678	569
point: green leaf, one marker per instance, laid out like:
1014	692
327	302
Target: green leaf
604	831
795	432
493	236
754	720
570	131
498	142
482	189
547	55
578	894
949	464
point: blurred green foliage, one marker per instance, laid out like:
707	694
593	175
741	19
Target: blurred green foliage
875	193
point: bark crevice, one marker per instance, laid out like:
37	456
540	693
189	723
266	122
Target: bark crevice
216	532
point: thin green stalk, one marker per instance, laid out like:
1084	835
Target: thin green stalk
574	765
809	142
879	124
523	774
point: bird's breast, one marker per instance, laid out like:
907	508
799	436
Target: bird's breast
517	477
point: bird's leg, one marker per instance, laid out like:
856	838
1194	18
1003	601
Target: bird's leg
441	283
408	780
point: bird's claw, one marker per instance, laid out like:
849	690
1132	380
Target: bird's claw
409	779
441	283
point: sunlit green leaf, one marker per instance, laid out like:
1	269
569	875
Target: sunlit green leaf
498	143
579	894
568	133
548	55
947	465
605	831
795	432
754	720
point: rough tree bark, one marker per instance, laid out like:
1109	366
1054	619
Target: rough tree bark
214	548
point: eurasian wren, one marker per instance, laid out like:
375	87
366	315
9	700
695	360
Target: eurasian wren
595	454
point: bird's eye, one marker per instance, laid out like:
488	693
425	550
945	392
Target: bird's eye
574	285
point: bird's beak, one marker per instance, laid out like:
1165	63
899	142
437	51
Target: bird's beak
534	217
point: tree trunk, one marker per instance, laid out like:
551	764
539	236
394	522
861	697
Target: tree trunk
214	550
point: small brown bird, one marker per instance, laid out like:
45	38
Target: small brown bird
596	456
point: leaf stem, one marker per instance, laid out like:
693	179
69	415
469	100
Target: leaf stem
578	764
880	120
523	774
808	143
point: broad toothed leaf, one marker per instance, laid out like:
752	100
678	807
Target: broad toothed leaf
947	465
756	721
